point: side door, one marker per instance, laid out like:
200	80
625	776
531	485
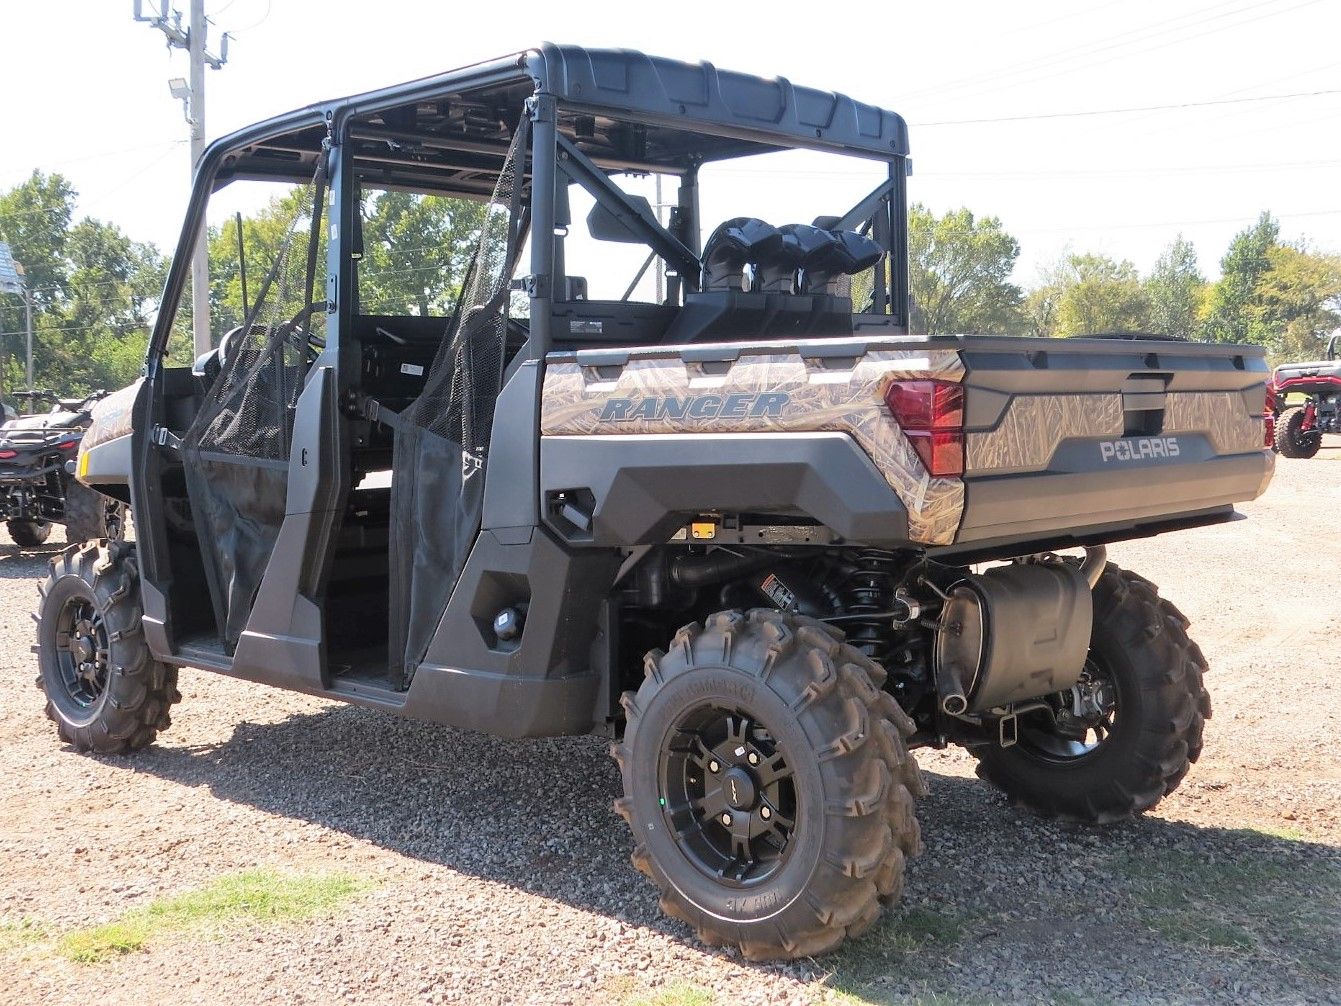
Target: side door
236	452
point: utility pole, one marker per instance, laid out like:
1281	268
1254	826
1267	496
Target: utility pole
193	39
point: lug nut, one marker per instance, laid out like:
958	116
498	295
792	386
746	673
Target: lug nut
713	766
765	813
754	758
726	818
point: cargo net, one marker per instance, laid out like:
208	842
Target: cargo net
248	411
236	450
442	439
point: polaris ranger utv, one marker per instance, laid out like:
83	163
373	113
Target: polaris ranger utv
36	491
746	525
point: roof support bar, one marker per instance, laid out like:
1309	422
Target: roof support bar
582	170
864	210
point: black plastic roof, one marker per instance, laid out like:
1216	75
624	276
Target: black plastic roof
684	113
698	94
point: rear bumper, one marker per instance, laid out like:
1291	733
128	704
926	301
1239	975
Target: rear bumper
1068	508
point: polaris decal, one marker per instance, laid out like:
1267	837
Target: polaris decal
732	406
1138	449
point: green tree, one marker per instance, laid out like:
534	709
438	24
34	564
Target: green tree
1176	290
93	289
1296	302
417	249
959	273
1086	295
264	236
35	220
1231	314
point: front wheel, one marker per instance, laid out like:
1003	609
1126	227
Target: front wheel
104	690
768	784
1291	439
91	516
28	533
1125	735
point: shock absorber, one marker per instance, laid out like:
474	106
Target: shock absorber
865	587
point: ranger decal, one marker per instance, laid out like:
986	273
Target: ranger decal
730	406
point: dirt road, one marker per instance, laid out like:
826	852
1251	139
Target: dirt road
475	871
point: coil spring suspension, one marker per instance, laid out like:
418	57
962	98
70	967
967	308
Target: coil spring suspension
866	587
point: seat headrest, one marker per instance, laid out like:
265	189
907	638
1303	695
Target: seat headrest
849	254
734	243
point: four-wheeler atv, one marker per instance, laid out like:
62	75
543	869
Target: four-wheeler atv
36	491
1296	430
746	526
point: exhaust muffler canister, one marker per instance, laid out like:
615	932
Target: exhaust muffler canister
1012	633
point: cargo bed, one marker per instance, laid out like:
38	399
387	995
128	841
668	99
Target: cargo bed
1064	441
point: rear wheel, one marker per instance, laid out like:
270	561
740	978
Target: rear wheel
28	533
768	784
104	690
1123	738
1292	440
89	515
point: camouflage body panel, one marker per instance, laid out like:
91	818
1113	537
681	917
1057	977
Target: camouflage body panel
781	392
1221	415
1034	426
111	416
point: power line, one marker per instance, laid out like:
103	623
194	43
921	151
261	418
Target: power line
102	193
1129	225
124	328
995	78
1229	168
255	24
1090	65
1088	113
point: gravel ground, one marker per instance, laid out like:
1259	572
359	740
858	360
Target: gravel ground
501	875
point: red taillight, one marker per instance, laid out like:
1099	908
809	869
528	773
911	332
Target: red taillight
68	445
6	455
931	414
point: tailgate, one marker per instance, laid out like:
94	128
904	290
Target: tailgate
1098	439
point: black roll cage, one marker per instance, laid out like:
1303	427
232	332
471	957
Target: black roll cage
571	87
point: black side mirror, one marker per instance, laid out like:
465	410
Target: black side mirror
603	225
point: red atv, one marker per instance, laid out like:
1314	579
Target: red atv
1295	431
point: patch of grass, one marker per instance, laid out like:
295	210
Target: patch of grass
919	926
256	896
20	935
904	997
680	993
1065	997
1288	834
879	966
1252	902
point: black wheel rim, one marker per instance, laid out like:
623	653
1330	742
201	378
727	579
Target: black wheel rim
1078	722
728	794
81	652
